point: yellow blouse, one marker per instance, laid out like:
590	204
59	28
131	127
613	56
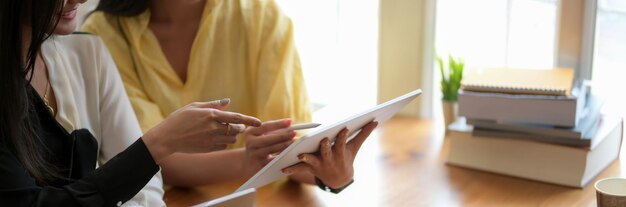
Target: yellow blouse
244	50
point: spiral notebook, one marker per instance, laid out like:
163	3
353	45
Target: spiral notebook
550	82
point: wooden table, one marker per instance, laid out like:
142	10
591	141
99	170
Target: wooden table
402	164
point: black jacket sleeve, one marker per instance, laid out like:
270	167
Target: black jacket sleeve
111	184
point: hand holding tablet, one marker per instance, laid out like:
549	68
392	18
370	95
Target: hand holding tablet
332	165
310	142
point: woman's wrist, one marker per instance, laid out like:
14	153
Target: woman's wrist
157	147
339	183
335	190
246	163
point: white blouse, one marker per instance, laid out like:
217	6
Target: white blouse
90	95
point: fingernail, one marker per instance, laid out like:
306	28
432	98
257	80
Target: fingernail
287	122
301	157
224	101
286	171
327	142
292	134
257	123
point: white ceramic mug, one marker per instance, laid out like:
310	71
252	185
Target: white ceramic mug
611	192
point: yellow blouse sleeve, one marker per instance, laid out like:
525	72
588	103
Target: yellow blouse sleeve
148	113
277	74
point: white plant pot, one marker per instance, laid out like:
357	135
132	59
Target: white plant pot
450	112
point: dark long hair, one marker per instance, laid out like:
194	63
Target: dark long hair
123	7
17	129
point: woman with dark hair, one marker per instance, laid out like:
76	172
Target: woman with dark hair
170	53
68	135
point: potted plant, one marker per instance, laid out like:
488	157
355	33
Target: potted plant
451	76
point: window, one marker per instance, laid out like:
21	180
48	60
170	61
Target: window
498	33
337	42
609	64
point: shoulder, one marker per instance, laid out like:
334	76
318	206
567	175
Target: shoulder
259	6
85	53
115	31
105	25
81	44
268	9
264	17
97	20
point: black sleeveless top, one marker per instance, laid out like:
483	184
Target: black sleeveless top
75	154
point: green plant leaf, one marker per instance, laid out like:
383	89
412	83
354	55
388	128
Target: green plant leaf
451	77
441	68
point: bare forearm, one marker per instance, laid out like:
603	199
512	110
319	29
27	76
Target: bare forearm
201	169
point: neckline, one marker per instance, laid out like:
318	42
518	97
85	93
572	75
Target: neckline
53	51
39	105
189	79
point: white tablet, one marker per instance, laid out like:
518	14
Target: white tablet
310	142
243	198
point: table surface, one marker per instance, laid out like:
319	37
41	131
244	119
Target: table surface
402	164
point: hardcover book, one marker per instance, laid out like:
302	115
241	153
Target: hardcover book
551	163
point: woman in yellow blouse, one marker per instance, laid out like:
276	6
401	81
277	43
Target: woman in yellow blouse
171	53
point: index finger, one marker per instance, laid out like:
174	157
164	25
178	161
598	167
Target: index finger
270	126
216	104
236	118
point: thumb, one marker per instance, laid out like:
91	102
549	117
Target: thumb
217	104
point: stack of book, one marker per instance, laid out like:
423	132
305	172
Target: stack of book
533	124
